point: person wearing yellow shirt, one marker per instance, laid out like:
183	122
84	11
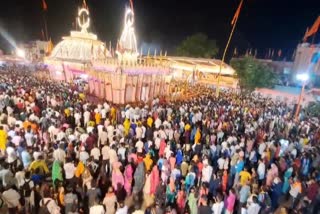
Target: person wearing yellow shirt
67	112
126	125
26	124
82	96
150	121
3	139
245	176
148	162
187	127
91	123
113	114
39	164
98	117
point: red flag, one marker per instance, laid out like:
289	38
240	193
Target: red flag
236	15
131	5
314	29
44	5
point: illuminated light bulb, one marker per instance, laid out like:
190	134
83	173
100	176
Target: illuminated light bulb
21	53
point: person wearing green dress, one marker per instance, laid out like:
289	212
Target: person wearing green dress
192	202
56	172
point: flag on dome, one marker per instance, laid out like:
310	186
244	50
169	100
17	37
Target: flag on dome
44	5
313	30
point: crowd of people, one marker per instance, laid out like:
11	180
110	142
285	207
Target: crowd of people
62	153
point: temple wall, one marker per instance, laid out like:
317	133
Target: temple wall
116	86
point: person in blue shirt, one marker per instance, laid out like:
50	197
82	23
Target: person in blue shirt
238	167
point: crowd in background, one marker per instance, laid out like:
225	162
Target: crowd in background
62	152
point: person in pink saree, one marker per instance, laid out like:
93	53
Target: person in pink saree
271	174
154	179
117	177
128	177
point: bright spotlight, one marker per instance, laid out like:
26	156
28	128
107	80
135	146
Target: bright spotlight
21	53
302	77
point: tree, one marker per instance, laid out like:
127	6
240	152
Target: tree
198	45
313	109
253	74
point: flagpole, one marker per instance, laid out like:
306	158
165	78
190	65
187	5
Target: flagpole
224	53
45	26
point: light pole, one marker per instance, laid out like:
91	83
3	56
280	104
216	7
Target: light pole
304	78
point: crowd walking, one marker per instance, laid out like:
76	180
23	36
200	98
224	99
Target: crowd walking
62	152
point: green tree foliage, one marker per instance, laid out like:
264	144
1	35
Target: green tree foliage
198	45
313	109
253	74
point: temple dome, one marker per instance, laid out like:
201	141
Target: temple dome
80	46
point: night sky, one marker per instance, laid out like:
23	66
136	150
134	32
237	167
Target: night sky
263	24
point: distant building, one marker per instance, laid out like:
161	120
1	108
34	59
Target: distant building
35	50
307	59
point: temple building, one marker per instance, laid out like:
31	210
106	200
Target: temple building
128	76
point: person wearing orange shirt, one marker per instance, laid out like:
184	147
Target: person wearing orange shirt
97	117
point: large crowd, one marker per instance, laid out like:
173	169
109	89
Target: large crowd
62	152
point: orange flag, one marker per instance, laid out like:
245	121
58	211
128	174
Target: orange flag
315	27
236	15
44	5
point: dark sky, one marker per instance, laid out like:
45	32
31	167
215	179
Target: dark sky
263	24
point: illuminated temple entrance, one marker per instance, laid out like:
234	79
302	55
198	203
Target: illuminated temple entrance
127	76
121	79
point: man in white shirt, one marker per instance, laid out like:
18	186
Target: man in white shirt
206	171
69	169
77	117
59	154
139	131
86	116
254	207
157	123
139	146
162	133
29	138
95	153
97	209
217	207
11	154
123	209
11	197
6	176
261	170
83	156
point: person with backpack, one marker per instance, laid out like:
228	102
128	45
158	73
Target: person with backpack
48	205
70	201
12	199
26	190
